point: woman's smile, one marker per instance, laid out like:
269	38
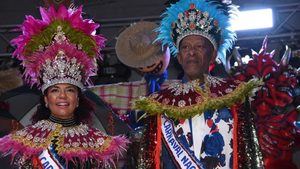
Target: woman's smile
62	100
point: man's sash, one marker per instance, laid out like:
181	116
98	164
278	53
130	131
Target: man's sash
179	153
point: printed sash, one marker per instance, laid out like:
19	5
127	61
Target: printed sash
183	158
48	159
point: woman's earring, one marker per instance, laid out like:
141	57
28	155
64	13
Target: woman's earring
46	105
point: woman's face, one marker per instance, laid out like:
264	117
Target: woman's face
62	100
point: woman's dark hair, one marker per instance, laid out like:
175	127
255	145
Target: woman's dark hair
82	113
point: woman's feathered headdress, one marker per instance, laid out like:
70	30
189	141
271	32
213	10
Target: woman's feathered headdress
59	48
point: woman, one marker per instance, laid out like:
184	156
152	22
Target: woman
59	55
64	101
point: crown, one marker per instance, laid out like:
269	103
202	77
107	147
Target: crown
61	70
60	48
196	22
210	19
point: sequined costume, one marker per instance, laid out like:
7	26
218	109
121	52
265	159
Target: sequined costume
75	144
197	121
61	49
220	124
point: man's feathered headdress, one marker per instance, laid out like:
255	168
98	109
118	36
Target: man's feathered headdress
210	19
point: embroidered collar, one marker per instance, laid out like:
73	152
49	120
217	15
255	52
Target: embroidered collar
185	100
77	142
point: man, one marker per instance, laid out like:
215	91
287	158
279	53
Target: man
207	122
197	120
195	53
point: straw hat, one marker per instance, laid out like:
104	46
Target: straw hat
11	78
135	46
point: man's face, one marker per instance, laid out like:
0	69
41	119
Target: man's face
195	54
